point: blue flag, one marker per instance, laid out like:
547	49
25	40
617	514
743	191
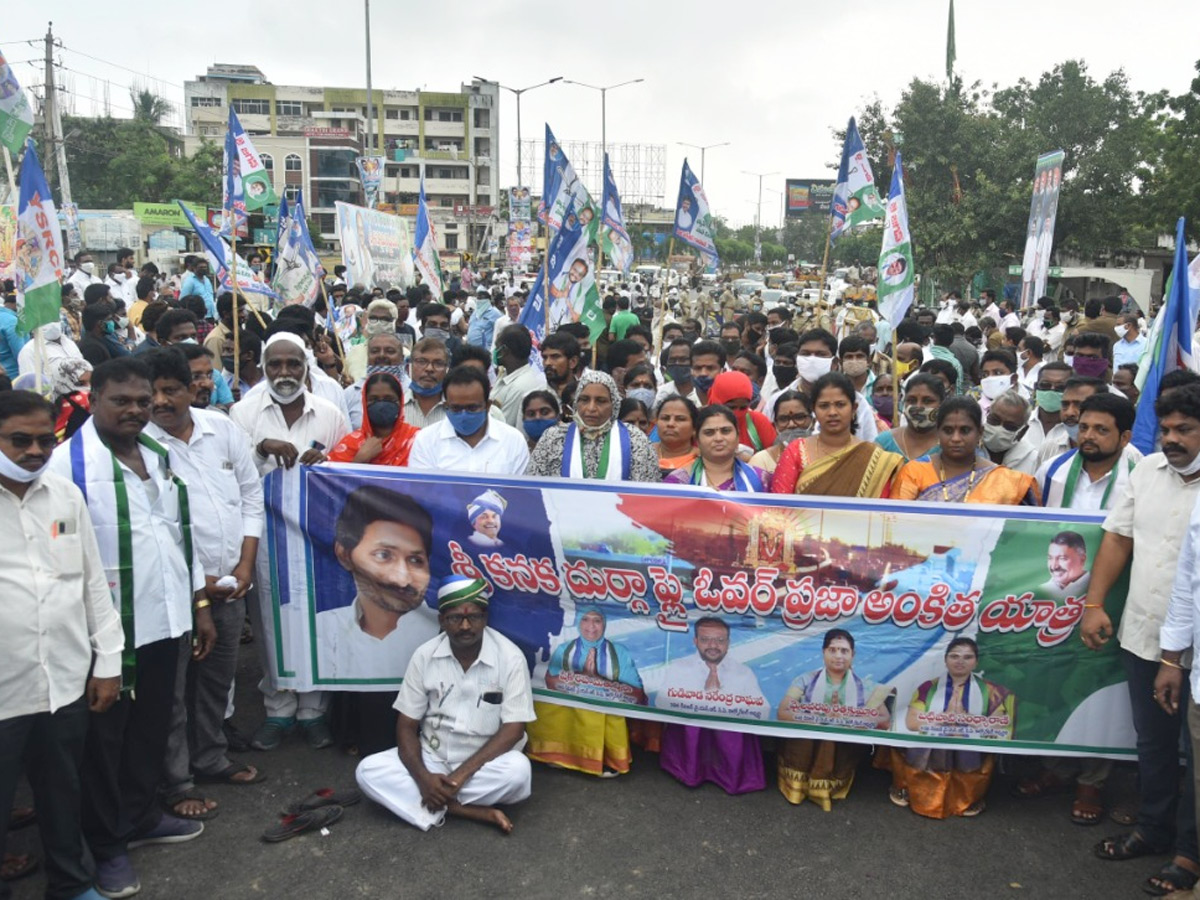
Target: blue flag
222	259
896	278
614	236
39	253
855	198
425	252
693	220
1172	350
297	269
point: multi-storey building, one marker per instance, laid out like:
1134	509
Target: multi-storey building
309	138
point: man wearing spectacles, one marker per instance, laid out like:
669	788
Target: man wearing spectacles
1048	400
57	612
463	706
427	369
1004	432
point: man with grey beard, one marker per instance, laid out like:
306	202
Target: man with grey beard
287	424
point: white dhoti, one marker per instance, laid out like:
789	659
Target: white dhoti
383	778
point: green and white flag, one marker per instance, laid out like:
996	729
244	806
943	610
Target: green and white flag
38	260
896	280
16	115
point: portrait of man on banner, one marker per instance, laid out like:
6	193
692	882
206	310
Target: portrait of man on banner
710	680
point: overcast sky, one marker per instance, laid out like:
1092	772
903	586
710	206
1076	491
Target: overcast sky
772	77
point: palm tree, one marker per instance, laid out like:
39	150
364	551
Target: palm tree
148	106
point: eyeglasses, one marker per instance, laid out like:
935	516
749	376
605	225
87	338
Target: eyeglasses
1049	386
455	620
996	423
22	441
797	419
419	362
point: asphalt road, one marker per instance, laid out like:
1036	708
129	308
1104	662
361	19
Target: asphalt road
640	835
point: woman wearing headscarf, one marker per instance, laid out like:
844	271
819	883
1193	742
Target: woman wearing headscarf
591	657
735	390
70	381
385	439
595	445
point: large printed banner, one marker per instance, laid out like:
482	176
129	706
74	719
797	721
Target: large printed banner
785	616
376	247
1039	231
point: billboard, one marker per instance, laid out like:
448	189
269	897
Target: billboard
808	195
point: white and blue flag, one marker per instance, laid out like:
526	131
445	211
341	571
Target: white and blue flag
614	236
693	221
425	252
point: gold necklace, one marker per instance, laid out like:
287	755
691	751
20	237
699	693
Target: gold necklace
970	483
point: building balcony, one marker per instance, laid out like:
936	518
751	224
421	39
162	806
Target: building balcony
445	129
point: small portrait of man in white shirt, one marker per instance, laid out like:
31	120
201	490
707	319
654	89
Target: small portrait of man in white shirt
484	513
384	539
710	680
1066	558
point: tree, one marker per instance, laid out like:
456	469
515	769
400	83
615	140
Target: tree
1172	175
148	106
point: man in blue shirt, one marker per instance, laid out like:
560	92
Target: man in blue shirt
10	342
483	322
197	282
1131	345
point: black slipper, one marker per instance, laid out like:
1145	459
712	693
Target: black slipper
290	826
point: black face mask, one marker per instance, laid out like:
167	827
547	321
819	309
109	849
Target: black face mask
383	413
784	375
731	345
690	336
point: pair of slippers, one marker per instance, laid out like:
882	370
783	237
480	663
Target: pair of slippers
318	810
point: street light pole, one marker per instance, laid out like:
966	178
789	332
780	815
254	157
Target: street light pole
758	213
370	106
603	105
518	92
702	152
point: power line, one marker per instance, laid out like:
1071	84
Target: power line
119	66
98	78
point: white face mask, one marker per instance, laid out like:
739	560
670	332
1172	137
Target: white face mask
994	385
1190	469
52	331
997	438
285	398
810	368
11	470
87	268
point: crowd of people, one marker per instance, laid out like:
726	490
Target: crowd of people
132	452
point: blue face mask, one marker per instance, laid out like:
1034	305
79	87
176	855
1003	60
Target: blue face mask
680	373
646	395
703	382
755	394
422	391
466	424
535	428
383	413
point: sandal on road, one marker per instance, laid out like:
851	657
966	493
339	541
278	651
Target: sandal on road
1126	846
326	797
1170	878
290	826
227	776
1088	807
1043	784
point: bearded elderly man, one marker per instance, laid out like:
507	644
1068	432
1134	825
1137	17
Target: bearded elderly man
287	424
463	706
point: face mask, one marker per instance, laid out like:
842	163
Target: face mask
813	367
703	382
422	391
904	368
109	326
646	395
123	322
187	341
1190	469
10	469
1090	366
256	268
285	397
383	413
994	385
853	368
1050	401
690	336
377	326
227	363
1072	431
681	374
438	334
535	428
88	268
885	405
784	375
997	438
755	394
920	418
732	346
395	371
466	424
1023	357
785	436
52	331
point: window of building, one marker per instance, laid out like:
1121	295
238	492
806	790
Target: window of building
451	241
292	192
391	114
267	161
483	118
292	163
289	108
252	107
407	114
407	172
445	201
335	164
206	101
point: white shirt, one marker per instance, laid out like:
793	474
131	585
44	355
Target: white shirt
1089	495
262	418
59	349
864	413
1154	510
691	673
224	490
503	450
322	386
1178	630
1021	457
1012	320
344	650
82	280
512	388
1029	380
1056	442
449	703
57	608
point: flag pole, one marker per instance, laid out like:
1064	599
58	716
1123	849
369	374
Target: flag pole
335	340
237	319
14	198
662	305
825	262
